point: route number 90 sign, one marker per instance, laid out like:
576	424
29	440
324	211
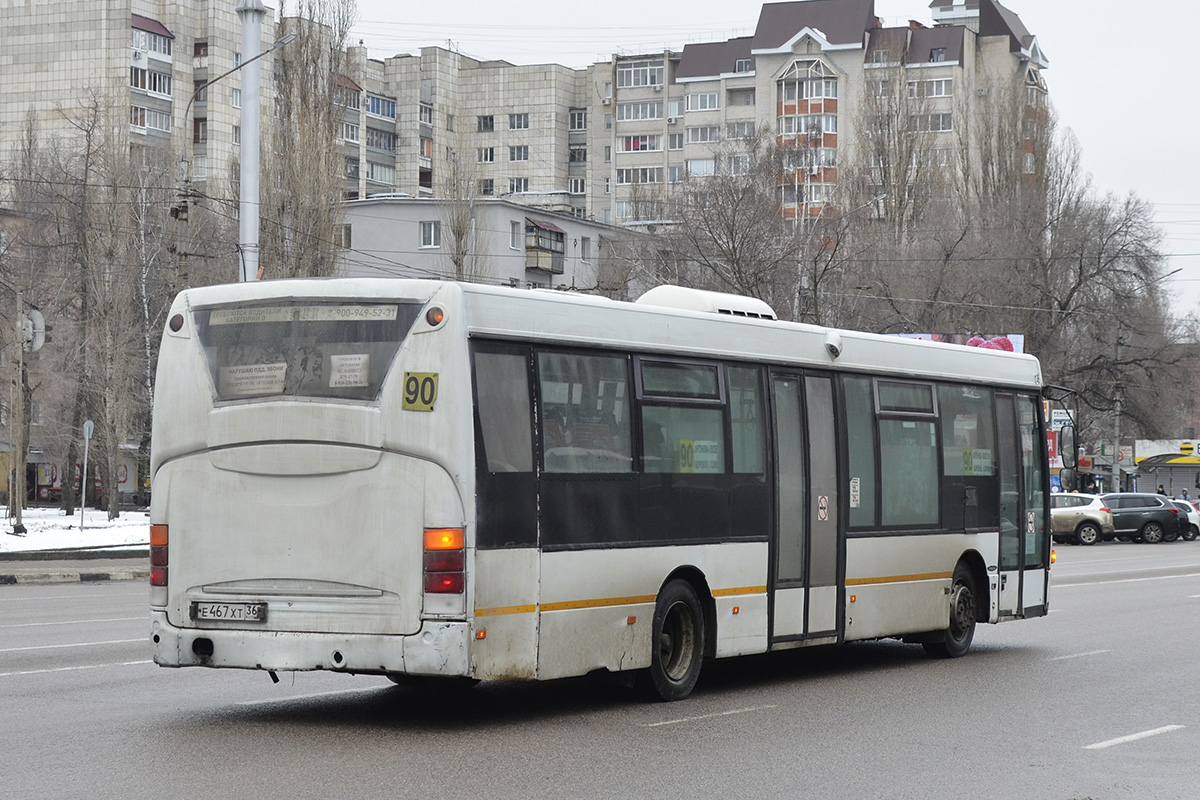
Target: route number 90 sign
420	391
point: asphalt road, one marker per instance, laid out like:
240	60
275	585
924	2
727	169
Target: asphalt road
1099	700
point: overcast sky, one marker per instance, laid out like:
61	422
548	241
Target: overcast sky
1122	76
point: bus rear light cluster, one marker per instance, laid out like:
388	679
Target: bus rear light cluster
158	555
445	561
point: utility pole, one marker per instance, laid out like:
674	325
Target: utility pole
251	13
1116	455
31	334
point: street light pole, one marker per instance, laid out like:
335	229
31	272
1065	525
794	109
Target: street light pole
251	13
180	211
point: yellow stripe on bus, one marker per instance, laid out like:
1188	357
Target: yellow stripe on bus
502	610
739	590
598	603
928	576
602	602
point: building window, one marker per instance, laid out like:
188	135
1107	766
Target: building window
200	167
675	174
237	134
651	109
200	49
518	122
450	122
674	141
743	65
577	154
739	130
381	106
577	185
347	236
516	235
385	140
608	185
431	234
487	187
808	124
585	248
649	142
937	54
200	130
237	98
881	56
350	132
608	122
706	101
640	73
426	113
639	175
485	124
607	153
518	152
705	133
487	155
518	185
578	119
352	165
381	173
701	166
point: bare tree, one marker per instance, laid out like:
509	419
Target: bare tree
300	212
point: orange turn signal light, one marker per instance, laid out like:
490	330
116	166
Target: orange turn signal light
158	535
444	539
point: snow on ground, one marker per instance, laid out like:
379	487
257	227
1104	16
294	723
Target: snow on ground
51	529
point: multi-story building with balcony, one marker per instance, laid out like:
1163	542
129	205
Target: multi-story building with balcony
612	142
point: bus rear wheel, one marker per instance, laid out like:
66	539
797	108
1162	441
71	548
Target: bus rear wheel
677	643
956	639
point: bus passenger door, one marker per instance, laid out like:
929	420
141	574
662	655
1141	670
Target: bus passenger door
1023	545
805	584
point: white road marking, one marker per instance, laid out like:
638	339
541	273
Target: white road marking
1126	580
73	669
292	697
74	622
1079	655
61	646
1133	737
709	716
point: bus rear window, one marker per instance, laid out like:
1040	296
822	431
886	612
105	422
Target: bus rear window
302	349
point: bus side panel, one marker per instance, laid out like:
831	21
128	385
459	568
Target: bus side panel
597	606
899	583
506	597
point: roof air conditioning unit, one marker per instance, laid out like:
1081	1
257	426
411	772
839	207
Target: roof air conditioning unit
981	92
658	87
606	101
138	55
671	120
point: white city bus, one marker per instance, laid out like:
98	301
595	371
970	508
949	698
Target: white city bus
422	478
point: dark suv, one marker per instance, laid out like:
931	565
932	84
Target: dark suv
1141	517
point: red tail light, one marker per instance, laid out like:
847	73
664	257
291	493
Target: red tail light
158	555
445	561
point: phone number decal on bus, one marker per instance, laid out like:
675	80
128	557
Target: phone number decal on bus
244	316
420	391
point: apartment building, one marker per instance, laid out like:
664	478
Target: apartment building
611	142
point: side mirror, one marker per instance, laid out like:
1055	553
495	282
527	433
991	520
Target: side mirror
1069	479
1067	447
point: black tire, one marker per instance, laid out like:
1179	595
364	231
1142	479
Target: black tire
956	639
1152	532
1087	533
1190	534
677	643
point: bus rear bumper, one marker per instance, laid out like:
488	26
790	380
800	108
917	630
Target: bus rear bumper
438	649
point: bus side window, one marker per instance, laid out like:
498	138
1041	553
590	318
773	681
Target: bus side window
502	389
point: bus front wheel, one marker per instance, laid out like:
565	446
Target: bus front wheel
956	639
677	643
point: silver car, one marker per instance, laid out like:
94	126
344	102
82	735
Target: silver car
1080	518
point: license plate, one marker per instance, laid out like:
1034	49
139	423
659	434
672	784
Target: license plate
233	612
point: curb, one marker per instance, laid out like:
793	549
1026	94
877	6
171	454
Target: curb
31	576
